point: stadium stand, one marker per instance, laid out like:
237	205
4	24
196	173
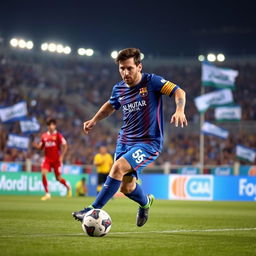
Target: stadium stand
71	89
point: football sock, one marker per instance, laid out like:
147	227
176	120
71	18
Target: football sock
63	181
45	183
109	188
138	196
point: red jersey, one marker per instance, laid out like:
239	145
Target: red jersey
51	143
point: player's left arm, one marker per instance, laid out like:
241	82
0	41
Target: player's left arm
179	116
64	148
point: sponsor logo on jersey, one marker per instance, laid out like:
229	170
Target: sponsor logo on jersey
121	98
189	187
143	91
50	144
134	106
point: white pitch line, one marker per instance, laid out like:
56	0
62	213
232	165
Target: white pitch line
136	232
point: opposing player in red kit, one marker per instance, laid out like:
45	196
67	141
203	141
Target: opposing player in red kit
55	148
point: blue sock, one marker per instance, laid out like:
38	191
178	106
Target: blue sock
108	190
138	196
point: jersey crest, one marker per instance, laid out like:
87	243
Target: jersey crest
143	91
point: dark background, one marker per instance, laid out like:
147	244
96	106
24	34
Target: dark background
161	28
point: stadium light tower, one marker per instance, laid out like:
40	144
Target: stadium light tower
14	42
89	52
142	56
21	43
220	57
81	51
67	50
211	57
201	57
114	54
44	46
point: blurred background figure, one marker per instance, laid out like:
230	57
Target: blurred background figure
103	162
81	187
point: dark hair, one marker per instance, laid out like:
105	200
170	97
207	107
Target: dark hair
128	53
50	121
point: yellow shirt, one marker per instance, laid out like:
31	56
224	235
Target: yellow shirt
81	188
103	162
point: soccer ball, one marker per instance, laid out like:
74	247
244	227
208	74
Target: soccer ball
96	222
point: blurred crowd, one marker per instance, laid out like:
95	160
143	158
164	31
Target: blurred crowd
21	76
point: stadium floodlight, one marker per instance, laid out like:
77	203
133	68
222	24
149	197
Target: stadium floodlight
67	50
220	57
81	51
142	56
114	54
44	46
89	52
21	43
211	57
201	57
14	42
29	45
52	47
59	48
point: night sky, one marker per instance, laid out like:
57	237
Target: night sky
175	28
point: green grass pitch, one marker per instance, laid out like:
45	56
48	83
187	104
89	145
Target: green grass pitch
31	227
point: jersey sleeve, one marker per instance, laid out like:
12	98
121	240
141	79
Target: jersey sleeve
62	140
114	99
163	86
42	141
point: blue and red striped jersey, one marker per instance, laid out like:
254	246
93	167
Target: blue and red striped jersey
142	109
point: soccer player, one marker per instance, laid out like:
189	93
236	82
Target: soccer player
55	148
103	162
140	139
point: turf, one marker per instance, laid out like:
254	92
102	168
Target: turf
31	227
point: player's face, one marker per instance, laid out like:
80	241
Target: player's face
130	72
52	127
103	150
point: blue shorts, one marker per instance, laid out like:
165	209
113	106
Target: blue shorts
138	156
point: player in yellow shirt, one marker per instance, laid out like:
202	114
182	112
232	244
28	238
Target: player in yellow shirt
81	188
103	162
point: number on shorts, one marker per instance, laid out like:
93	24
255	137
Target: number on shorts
138	156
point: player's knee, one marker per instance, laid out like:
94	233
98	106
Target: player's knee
126	189
58	178
117	169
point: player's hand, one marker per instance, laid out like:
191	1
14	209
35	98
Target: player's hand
36	145
179	118
88	125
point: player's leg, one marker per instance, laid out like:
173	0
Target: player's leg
100	182
134	191
45	168
110	187
59	178
139	156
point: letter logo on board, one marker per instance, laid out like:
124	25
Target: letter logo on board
191	187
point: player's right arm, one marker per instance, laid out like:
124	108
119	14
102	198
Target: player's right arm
39	145
106	110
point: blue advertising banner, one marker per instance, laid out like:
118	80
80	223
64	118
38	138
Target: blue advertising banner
10	167
72	169
191	187
222	170
247	170
156	184
235	188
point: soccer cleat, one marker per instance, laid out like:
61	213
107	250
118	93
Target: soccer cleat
142	215
69	193
80	215
47	196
